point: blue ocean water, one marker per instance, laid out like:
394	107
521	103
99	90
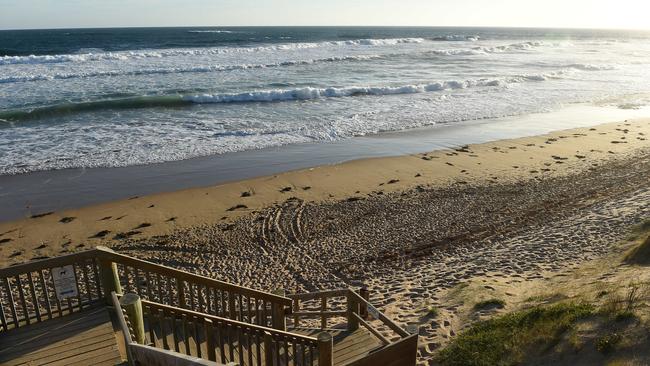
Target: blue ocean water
117	97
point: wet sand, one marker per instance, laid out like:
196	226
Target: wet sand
411	228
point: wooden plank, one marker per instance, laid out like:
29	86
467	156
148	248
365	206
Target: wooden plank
402	353
12	304
48	306
32	291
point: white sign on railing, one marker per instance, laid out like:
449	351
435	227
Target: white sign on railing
65	282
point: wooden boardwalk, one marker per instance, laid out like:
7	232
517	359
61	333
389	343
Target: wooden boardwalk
348	346
82	338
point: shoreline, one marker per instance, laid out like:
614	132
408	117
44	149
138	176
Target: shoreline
36	193
536	158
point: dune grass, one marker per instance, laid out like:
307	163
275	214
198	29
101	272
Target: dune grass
506	339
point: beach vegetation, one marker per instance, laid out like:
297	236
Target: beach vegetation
506	339
490	304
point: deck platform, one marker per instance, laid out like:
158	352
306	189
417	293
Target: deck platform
348	346
83	338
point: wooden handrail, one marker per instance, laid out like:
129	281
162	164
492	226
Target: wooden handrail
47	263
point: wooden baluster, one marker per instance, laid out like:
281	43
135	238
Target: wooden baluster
197	339
163	333
268	349
249	346
3	318
76	282
175	332
294	348
241	309
323	308
56	297
249	310
21	295
98	286
258	348
199	290
152	324
147	277
170	294
231	343
32	290
191	287
186	337
84	269
180	286
240	344
221	334
209	340
222	296
231	305
137	280
265	314
296	309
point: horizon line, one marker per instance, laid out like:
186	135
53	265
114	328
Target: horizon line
334	26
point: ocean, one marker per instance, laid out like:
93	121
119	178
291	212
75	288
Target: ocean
85	98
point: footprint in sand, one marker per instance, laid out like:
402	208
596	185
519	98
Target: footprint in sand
393	181
106	218
237	207
306	188
171	219
285	189
246	194
142	226
15	254
100	234
42	246
67	220
42	215
151	206
6	240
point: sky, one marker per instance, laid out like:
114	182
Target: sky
624	14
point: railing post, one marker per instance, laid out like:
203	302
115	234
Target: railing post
132	305
363	307
277	313
353	308
210	341
109	277
325	349
268	349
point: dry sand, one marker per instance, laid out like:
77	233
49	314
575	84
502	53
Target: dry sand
411	228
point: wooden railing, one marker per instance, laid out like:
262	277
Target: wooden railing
28	293
225	340
198	293
352	305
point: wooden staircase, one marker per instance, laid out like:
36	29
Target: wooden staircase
167	316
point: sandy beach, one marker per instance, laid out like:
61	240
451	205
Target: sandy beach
411	228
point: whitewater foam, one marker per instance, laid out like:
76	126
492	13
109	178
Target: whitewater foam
126	55
179	70
308	93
